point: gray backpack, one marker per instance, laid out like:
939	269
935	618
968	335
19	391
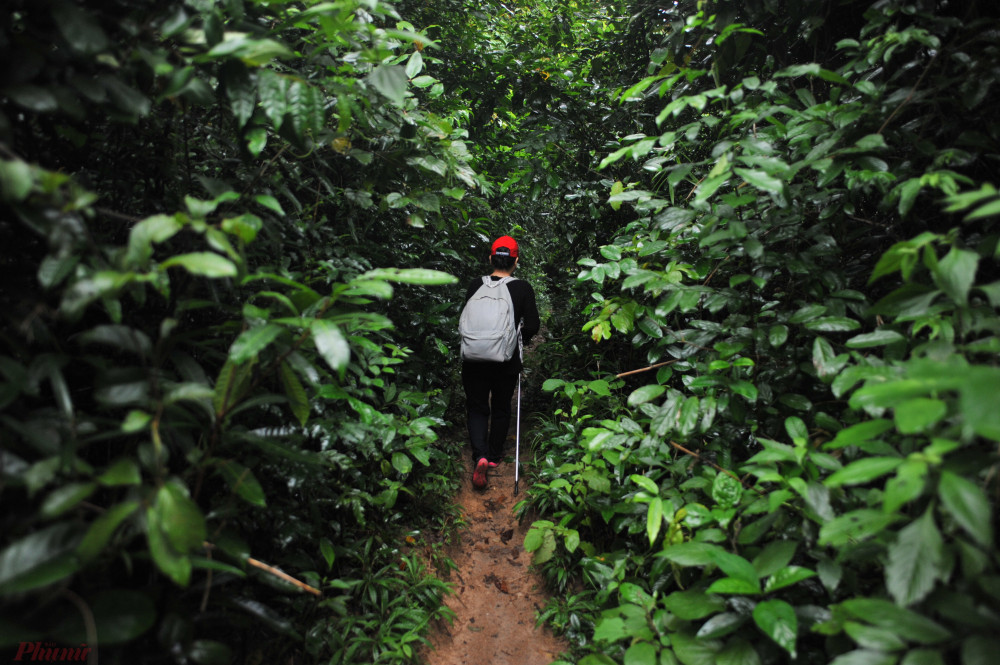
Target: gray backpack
487	323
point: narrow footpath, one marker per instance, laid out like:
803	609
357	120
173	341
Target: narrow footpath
496	592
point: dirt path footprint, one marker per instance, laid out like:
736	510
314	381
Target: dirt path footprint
496	593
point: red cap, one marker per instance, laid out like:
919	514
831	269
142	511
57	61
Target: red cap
504	246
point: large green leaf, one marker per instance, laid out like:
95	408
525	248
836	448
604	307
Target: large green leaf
39	559
916	561
206	264
777	620
862	471
854	526
242	481
422	276
391	81
956	272
298	400
103	528
331	344
252	341
908	624
967	504
645	394
79	28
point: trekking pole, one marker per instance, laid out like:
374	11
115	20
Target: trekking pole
517	437
517	427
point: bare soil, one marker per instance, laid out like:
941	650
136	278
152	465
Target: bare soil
496	592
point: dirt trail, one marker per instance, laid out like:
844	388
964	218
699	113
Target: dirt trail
496	592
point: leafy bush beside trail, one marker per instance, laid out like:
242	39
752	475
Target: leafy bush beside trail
208	417
807	472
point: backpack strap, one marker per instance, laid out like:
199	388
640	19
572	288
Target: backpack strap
494	284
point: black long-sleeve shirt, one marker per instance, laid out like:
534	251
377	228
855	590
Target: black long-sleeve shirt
525	312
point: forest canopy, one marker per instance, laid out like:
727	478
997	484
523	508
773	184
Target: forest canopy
764	235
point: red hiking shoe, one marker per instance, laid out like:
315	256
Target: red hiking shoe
479	475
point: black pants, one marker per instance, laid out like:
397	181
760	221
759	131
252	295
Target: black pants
487	405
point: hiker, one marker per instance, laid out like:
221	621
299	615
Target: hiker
491	352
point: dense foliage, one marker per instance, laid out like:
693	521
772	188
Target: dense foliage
807	470
764	233
200	373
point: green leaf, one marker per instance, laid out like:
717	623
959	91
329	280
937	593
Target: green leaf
39	559
551	384
797	430
777	335
123	472
422	276
744	389
925	657
873	637
980	649
761	180
645	394
916	561
721	625
16	180
693	604
691	650
331	344
775	556
777	620
179	517
298	401
414	64
391	81
402	462
978	403
877	338
245	227
154	229
103	528
726	491
600	387
908	483
967	505
738	652
79	28
654	519
906	623
956	272
210	652
207	264
919	414
273	90
242	481
641	653
270	203
862	471
645	483
252	341
833	324
865	657
787	577
64	498
854	526
256	139
859	433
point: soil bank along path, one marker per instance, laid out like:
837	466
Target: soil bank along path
496	593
